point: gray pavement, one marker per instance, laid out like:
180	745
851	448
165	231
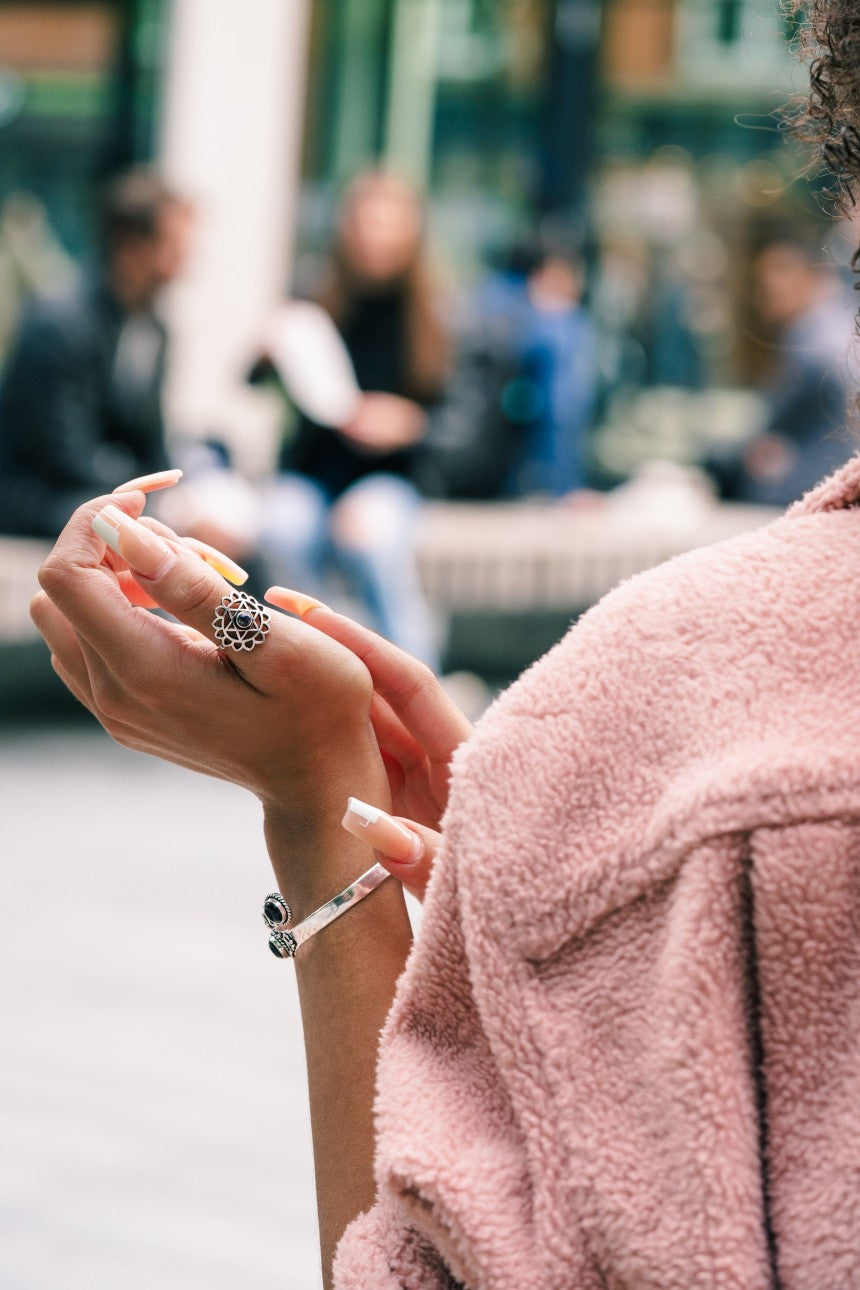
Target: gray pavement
153	1116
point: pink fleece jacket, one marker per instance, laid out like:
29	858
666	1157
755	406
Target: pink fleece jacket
625	1051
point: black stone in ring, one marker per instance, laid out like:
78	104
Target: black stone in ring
240	621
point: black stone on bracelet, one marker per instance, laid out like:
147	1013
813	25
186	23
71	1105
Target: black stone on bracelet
283	945
276	911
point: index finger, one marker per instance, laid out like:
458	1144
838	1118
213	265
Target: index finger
75	579
131	642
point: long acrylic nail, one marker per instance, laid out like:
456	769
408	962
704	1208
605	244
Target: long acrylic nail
150	483
217	560
295	602
382	832
141	549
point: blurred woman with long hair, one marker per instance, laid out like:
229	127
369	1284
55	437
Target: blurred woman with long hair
345	494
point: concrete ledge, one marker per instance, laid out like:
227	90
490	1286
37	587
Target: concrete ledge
522	557
19	565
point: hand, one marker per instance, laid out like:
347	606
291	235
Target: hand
418	727
385	423
288	720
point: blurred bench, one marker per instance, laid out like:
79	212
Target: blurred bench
524	556
28	685
510	577
19	565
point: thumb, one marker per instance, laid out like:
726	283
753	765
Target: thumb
406	849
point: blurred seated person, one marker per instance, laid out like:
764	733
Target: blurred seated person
80	402
345	494
537	302
803	300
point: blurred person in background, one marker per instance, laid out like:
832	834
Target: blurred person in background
346	495
537	302
801	298
81	394
560	355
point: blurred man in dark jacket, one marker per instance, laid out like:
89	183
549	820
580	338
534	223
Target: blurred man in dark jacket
800	298
80	401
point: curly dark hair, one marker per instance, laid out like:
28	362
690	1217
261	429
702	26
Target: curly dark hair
830	118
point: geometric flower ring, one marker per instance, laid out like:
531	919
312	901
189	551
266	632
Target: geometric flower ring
240	621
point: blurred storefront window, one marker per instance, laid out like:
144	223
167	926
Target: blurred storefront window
78	95
507	109
648	131
451	92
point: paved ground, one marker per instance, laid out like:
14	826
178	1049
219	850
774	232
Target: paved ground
153	1118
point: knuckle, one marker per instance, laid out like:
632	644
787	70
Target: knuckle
424	677
198	593
59	669
53	575
421	679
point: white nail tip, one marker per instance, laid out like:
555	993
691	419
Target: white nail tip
106	530
367	814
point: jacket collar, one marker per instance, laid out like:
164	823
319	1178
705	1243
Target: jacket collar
838	492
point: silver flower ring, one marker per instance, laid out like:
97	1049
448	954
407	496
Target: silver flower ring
240	621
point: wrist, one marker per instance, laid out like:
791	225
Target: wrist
301	798
312	855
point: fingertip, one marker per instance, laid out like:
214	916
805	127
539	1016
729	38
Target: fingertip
147	554
134	592
132	501
294	602
150	483
412	877
392	837
218	561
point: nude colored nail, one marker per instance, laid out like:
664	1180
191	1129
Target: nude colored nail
150	483
295	602
141	549
382	832
217	560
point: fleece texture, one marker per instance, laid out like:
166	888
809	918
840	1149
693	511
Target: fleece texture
625	1051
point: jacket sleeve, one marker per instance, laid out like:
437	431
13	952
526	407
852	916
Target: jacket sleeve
452	1175
51	410
569	1087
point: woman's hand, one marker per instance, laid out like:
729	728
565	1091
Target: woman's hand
418	727
288	720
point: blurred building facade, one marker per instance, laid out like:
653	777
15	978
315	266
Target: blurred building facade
515	101
646	125
216	101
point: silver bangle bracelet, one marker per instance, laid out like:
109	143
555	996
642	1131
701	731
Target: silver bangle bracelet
276	913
